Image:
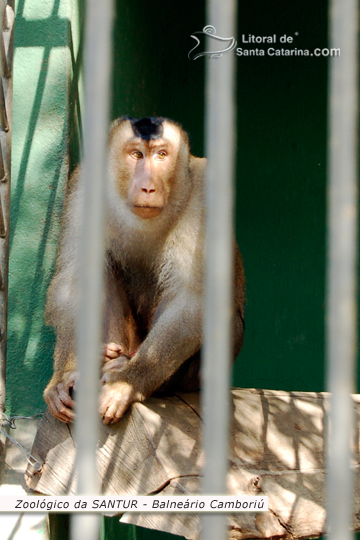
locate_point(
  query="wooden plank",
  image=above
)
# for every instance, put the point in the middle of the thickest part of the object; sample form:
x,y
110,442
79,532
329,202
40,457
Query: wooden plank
x,y
277,449
137,455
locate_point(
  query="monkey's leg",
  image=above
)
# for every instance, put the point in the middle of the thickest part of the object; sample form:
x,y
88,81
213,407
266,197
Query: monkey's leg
x,y
173,338
120,337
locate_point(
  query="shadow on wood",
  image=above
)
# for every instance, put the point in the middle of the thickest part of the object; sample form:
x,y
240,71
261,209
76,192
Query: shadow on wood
x,y
277,449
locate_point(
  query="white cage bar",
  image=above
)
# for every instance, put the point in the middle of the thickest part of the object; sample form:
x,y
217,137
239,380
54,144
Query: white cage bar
x,y
341,337
97,66
220,121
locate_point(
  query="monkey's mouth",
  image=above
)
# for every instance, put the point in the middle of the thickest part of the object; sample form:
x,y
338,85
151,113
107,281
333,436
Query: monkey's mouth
x,y
146,212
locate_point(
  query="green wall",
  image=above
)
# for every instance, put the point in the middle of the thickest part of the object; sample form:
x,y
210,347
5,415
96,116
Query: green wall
x,y
152,73
280,200
42,66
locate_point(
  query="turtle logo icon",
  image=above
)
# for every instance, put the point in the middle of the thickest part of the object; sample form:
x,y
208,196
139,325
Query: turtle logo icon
x,y
210,32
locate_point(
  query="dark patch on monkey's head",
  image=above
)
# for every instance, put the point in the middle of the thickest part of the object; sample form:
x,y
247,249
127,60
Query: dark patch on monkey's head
x,y
147,128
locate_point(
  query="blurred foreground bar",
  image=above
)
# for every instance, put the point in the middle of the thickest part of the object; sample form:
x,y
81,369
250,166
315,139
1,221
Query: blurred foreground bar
x,y
342,262
220,142
98,36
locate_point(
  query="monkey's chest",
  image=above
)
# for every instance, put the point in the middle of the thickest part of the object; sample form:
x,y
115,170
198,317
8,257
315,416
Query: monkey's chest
x,y
143,294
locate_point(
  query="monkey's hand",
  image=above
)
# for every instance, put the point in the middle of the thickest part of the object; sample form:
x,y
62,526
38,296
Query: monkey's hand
x,y
114,358
58,397
115,398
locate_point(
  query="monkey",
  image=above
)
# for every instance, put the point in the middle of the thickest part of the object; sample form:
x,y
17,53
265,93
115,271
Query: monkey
x,y
153,272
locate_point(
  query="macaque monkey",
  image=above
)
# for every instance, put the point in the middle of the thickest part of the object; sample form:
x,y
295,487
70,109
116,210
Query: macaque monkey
x,y
153,266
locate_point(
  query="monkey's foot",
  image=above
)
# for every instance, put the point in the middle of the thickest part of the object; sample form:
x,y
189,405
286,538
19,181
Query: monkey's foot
x,y
115,398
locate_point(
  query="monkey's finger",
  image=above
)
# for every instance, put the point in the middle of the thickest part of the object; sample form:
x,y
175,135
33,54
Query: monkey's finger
x,y
115,363
64,396
62,400
120,411
63,418
70,382
55,412
65,414
104,400
113,346
111,350
110,355
113,413
59,410
108,417
114,400
66,400
107,404
73,379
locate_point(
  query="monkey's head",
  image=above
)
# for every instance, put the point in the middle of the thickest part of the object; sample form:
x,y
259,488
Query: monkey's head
x,y
149,164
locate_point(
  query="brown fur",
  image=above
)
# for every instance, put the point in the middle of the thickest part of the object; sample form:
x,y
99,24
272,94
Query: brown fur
x,y
154,274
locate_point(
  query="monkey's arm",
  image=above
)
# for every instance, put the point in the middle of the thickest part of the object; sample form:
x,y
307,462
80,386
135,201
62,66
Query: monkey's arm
x,y
61,307
173,338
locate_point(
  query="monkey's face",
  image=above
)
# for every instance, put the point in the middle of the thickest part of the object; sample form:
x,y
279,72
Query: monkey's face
x,y
148,167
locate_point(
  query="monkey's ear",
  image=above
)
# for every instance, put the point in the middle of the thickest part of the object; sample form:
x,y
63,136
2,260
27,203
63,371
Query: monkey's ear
x,y
197,166
115,123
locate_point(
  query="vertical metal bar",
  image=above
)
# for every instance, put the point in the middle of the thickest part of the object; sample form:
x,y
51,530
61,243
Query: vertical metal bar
x,y
342,261
6,85
98,40
219,148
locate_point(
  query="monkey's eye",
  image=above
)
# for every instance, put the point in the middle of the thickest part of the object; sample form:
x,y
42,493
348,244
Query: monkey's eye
x,y
137,154
162,154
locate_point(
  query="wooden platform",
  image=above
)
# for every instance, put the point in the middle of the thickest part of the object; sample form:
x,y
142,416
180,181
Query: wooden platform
x,y
276,450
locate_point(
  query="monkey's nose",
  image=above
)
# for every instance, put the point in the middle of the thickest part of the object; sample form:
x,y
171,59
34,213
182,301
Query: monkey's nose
x,y
145,190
